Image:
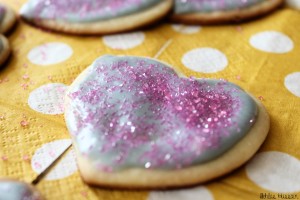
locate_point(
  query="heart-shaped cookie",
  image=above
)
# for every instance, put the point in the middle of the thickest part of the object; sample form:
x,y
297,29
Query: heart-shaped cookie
x,y
220,11
17,190
136,124
94,16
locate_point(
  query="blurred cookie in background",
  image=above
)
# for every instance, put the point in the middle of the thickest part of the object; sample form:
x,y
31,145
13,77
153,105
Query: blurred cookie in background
x,y
216,11
90,17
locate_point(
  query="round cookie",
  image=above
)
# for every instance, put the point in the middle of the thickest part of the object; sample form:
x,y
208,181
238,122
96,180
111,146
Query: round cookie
x,y
217,11
7,18
4,49
94,16
293,4
136,123
17,190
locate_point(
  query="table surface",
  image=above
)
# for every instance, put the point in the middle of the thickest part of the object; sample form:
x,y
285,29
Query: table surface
x,y
261,56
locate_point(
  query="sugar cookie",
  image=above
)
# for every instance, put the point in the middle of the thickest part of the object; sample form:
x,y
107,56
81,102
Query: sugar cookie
x,y
4,49
7,18
217,11
293,4
136,123
94,16
17,190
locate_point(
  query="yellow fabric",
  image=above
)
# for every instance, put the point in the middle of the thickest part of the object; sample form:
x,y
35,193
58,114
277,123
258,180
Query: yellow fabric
x,y
258,72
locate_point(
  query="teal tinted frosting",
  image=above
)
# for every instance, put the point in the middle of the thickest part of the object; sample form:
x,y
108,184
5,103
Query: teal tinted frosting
x,y
13,190
191,6
75,11
131,112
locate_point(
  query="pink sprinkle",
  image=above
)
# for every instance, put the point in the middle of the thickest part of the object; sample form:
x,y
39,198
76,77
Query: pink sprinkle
x,y
46,89
26,158
238,77
107,169
25,76
24,86
84,193
61,90
239,29
50,78
25,65
37,165
2,117
23,36
178,107
44,56
4,158
261,98
24,123
52,154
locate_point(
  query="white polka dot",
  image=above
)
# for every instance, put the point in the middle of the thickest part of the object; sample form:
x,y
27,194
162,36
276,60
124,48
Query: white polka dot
x,y
197,193
48,99
50,53
185,29
293,3
49,152
275,171
124,41
292,83
272,42
206,60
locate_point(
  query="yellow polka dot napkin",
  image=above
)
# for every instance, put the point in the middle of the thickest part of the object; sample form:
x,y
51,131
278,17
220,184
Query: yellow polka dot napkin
x,y
261,56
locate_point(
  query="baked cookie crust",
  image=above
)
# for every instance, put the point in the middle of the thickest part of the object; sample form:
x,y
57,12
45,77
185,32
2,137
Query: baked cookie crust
x,y
219,17
115,25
